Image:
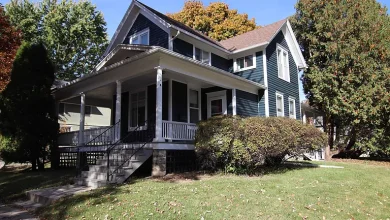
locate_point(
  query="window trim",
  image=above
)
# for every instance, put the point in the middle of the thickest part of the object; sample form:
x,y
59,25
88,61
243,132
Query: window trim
x,y
286,76
295,108
130,107
189,104
215,96
235,64
194,56
138,34
276,104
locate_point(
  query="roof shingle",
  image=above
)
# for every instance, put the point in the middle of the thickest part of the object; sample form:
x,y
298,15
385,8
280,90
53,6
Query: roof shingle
x,y
257,36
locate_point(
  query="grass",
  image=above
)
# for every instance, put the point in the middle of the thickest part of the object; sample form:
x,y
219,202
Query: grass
x,y
359,191
16,180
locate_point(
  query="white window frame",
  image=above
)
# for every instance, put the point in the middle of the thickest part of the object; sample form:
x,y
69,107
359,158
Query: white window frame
x,y
215,96
294,116
130,108
138,34
194,56
278,94
189,103
235,65
281,73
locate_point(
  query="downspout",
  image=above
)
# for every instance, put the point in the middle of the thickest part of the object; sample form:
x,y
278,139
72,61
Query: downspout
x,y
172,39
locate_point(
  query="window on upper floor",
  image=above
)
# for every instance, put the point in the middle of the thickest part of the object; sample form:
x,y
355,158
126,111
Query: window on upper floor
x,y
202,55
245,63
279,105
291,106
141,37
283,64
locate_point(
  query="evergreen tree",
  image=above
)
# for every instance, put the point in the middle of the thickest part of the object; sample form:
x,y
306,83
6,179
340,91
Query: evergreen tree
x,y
27,117
347,47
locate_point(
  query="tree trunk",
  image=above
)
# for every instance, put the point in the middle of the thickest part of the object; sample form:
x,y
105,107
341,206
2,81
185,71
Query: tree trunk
x,y
330,138
33,163
41,163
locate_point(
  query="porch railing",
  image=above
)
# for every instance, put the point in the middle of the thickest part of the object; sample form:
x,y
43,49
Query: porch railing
x,y
178,130
72,138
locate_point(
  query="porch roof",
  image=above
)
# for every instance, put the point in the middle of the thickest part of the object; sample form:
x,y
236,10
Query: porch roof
x,y
122,50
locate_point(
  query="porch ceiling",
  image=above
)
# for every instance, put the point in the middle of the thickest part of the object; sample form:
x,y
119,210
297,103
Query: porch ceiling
x,y
101,83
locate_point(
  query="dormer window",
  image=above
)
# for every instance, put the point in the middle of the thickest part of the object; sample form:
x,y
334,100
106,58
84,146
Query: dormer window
x,y
245,63
283,64
202,56
141,38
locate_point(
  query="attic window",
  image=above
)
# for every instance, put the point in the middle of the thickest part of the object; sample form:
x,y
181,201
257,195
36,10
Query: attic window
x,y
283,64
141,38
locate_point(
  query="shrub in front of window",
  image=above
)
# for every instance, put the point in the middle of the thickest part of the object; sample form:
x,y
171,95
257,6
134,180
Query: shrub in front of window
x,y
244,144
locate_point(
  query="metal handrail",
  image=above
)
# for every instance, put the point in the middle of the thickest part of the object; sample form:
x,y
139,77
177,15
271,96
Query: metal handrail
x,y
82,163
104,132
135,151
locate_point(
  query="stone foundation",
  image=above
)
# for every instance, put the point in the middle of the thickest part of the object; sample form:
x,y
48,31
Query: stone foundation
x,y
159,163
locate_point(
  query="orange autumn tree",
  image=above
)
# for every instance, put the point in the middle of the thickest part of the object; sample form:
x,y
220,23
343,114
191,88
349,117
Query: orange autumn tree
x,y
10,40
216,20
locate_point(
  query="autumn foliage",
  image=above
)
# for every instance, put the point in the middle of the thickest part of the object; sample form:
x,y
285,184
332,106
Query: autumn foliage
x,y
10,40
215,20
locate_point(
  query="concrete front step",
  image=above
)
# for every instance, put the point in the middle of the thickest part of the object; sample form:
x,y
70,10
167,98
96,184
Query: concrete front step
x,y
49,195
92,183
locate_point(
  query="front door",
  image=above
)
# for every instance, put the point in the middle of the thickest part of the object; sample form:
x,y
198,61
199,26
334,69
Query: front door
x,y
216,104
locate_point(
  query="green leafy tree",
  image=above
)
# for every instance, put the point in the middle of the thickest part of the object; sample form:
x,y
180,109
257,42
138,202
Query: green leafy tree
x,y
216,20
28,123
347,47
74,33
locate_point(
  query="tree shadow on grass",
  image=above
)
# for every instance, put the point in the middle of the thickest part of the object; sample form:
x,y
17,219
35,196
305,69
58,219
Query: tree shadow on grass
x,y
15,181
94,199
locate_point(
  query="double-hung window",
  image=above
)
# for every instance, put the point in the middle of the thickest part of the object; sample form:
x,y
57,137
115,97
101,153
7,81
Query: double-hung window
x,y
279,105
140,38
138,109
291,106
202,56
283,64
244,63
194,106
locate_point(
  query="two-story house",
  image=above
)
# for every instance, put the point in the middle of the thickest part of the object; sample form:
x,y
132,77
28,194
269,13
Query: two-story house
x,y
160,77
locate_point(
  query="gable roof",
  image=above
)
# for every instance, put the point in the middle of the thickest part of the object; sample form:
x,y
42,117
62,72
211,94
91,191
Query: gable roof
x,y
258,36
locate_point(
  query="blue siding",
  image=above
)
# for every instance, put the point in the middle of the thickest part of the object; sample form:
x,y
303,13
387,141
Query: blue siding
x,y
183,47
220,62
261,103
157,36
247,104
288,89
257,74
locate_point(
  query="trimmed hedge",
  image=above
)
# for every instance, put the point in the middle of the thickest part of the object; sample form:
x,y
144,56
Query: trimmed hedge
x,y
243,144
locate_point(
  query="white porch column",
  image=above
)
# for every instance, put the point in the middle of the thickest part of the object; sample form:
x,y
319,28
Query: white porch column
x,y
170,107
159,85
118,108
234,101
82,119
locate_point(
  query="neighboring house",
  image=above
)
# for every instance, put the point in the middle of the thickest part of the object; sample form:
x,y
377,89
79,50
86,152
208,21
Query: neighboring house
x,y
95,117
160,77
313,117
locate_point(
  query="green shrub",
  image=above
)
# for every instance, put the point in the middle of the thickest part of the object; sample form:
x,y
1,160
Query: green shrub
x,y
243,144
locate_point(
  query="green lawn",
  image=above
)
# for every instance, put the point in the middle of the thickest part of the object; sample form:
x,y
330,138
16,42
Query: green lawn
x,y
15,181
359,191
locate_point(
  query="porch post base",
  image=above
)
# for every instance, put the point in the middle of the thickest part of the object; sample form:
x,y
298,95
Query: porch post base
x,y
159,167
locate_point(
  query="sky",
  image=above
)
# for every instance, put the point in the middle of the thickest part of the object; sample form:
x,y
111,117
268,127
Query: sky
x,y
264,11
